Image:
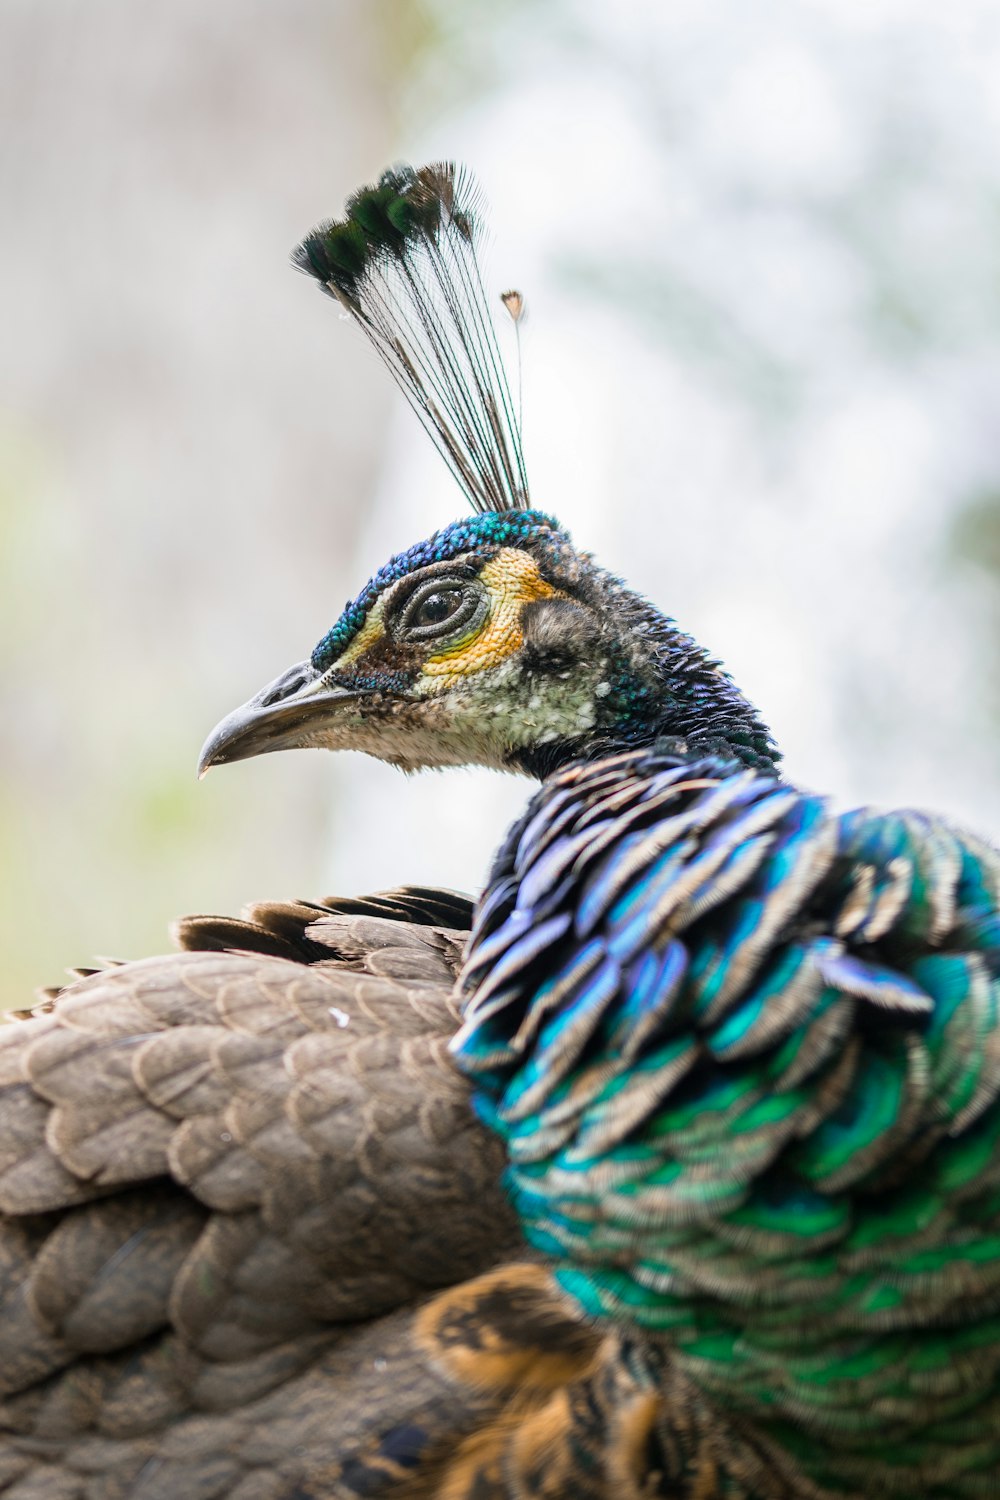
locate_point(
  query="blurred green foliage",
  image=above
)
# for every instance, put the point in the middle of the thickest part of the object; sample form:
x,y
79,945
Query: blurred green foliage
x,y
976,533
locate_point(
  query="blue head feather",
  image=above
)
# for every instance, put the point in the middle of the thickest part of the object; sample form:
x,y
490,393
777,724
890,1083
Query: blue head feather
x,y
480,534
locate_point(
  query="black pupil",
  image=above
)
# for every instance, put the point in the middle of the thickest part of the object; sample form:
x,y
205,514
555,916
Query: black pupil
x,y
435,608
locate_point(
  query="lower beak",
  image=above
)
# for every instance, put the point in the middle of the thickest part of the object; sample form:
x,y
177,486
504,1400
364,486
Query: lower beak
x,y
291,711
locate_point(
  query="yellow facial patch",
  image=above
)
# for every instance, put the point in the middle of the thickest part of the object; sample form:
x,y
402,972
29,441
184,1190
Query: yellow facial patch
x,y
371,631
513,580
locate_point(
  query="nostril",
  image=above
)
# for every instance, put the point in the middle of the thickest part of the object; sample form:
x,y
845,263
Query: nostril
x,y
285,687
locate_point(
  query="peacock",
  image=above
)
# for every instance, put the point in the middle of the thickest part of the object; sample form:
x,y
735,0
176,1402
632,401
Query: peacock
x,y
669,1167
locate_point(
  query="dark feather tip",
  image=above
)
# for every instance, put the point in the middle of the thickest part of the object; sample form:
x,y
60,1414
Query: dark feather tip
x,y
404,207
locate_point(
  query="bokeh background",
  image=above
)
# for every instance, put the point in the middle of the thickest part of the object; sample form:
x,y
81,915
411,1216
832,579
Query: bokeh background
x,y
761,250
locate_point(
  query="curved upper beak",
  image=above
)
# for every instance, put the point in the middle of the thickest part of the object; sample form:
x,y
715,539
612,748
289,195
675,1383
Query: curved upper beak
x,y
291,711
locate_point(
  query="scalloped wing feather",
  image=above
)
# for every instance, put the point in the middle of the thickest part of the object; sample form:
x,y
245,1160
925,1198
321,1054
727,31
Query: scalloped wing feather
x,y
253,1245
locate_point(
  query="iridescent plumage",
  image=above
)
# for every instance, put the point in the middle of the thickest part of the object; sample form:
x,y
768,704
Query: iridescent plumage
x,y
745,1057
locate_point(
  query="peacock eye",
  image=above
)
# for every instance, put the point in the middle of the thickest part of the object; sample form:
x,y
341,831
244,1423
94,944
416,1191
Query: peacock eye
x,y
440,607
436,608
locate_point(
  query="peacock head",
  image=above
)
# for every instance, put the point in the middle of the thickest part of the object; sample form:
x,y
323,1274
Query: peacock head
x,y
494,642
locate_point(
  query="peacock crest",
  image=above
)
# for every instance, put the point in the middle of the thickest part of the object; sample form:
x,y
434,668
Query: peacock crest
x,y
404,263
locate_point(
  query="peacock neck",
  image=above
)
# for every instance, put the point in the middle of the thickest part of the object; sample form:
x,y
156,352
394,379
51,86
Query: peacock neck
x,y
659,689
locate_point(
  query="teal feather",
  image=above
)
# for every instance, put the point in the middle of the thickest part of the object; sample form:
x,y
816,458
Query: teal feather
x,y
763,1121
648,1009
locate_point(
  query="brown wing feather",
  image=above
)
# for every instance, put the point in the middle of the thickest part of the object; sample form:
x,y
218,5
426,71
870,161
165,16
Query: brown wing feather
x,y
253,1244
212,1163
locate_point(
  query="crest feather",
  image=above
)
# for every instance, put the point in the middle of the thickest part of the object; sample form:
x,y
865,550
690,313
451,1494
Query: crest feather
x,y
403,262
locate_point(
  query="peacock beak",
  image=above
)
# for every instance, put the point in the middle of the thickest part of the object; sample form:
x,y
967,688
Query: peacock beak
x,y
294,710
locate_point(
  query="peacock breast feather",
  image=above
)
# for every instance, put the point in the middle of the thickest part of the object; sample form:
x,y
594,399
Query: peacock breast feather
x,y
745,1057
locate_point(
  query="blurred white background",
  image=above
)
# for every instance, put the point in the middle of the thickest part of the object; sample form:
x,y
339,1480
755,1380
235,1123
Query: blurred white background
x,y
761,250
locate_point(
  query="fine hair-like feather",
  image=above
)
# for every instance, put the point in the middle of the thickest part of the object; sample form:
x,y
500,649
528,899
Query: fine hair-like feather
x,y
403,262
